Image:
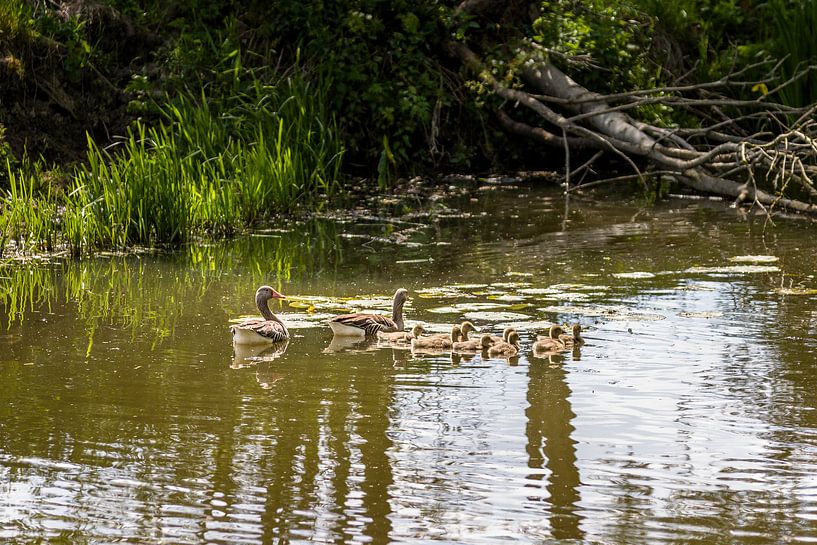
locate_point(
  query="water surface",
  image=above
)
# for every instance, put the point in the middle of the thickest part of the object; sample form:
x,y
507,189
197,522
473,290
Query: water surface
x,y
688,416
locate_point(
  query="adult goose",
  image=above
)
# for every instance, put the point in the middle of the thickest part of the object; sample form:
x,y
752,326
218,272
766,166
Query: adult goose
x,y
551,343
506,348
368,325
266,330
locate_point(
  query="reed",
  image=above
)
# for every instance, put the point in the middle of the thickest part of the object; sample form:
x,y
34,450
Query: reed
x,y
792,30
213,166
28,212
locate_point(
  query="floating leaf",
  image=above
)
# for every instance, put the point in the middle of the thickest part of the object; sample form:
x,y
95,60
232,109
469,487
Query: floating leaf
x,y
514,273
635,274
754,259
465,307
442,292
796,291
538,291
468,286
701,314
608,312
507,298
488,316
509,285
734,269
578,287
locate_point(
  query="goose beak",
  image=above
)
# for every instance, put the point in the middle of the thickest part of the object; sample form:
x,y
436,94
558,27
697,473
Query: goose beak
x,y
276,295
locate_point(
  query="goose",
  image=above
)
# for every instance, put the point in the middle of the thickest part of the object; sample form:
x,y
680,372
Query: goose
x,y
437,342
473,345
575,339
552,342
366,325
506,348
401,337
266,330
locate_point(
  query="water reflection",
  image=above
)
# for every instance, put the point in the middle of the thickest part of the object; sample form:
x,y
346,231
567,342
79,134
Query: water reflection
x,y
550,446
689,415
245,355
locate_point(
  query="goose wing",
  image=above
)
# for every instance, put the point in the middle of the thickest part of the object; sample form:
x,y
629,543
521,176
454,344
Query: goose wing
x,y
371,324
270,329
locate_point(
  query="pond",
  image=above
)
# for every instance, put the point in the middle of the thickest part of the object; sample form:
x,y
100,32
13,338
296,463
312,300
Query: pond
x,y
688,415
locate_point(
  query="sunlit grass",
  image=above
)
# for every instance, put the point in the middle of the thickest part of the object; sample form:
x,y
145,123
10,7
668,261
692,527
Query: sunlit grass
x,y
28,212
212,167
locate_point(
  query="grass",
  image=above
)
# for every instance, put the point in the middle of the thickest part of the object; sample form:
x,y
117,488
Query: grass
x,y
28,212
793,35
210,168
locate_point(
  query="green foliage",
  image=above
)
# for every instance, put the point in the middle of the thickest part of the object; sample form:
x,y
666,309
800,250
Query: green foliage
x,y
613,34
380,59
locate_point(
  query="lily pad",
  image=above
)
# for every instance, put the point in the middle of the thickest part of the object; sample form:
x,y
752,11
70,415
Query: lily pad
x,y
509,285
579,287
465,307
796,291
734,269
635,275
701,314
507,298
442,292
607,312
538,291
495,316
468,286
754,259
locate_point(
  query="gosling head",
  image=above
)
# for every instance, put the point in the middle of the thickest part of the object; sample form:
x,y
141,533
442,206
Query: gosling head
x,y
455,333
485,341
577,331
555,331
506,332
417,330
513,339
465,329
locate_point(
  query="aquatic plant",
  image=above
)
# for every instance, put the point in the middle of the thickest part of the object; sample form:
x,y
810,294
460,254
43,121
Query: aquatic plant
x,y
212,167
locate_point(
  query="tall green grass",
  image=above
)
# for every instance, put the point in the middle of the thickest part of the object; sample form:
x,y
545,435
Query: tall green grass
x,y
793,36
211,167
28,211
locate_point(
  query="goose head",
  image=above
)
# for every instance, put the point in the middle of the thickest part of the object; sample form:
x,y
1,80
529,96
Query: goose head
x,y
265,293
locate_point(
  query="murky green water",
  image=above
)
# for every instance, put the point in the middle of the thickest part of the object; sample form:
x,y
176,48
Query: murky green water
x,y
689,415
